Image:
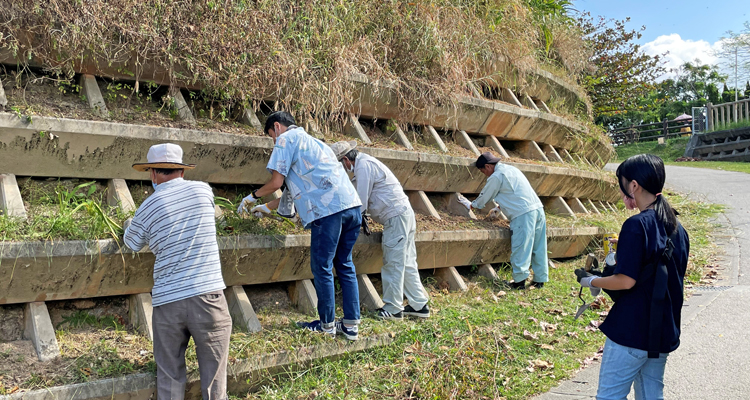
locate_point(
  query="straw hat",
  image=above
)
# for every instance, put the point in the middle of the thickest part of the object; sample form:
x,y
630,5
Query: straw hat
x,y
164,156
343,147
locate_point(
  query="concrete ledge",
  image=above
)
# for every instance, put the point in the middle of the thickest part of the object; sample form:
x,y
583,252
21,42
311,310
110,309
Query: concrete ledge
x,y
90,89
243,376
11,203
61,270
38,328
104,150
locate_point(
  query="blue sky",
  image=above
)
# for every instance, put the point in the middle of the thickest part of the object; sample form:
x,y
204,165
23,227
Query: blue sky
x,y
688,29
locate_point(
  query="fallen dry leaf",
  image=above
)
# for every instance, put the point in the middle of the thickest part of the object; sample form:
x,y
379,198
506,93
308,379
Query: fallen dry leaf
x,y
533,319
524,304
572,334
549,328
529,336
546,346
501,293
541,364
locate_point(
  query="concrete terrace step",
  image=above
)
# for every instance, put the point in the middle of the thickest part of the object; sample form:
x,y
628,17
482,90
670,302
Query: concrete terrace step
x,y
104,150
44,271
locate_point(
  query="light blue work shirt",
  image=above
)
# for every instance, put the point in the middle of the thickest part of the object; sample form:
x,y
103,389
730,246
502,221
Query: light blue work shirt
x,y
316,181
510,189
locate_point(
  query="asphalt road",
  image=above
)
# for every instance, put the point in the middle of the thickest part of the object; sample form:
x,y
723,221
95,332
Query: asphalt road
x,y
713,361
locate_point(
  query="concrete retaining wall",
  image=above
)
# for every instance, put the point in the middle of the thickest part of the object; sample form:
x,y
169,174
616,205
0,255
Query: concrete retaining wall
x,y
43,271
103,150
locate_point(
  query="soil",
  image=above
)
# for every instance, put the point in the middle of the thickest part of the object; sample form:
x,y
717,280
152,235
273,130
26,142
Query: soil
x,y
11,322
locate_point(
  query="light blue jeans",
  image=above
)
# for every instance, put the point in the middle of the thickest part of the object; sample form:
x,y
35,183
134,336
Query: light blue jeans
x,y
528,246
400,273
625,366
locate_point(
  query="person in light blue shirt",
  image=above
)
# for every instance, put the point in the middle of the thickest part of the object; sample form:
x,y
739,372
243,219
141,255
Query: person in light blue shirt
x,y
328,205
509,188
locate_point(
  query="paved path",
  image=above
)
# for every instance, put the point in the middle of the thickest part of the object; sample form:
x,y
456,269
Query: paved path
x,y
713,361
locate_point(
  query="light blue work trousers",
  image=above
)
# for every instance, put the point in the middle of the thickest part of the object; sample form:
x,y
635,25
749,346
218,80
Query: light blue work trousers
x,y
625,366
400,273
528,246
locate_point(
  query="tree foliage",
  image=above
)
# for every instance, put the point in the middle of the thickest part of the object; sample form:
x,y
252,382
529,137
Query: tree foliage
x,y
622,73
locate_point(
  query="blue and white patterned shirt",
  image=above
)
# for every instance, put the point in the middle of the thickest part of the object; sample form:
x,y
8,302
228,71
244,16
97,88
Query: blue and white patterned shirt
x,y
316,181
177,222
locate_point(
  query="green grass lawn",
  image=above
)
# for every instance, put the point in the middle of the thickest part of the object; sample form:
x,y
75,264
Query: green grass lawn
x,y
674,149
485,343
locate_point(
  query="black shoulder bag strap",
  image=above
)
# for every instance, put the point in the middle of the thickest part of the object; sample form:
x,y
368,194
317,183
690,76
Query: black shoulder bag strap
x,y
657,300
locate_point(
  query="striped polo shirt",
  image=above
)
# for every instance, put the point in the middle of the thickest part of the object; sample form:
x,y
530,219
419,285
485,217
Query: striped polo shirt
x,y
177,223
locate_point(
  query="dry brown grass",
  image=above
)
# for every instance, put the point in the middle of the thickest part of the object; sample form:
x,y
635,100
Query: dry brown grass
x,y
298,53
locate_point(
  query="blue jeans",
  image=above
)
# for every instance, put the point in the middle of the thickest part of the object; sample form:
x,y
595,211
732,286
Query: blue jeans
x,y
528,246
624,366
331,246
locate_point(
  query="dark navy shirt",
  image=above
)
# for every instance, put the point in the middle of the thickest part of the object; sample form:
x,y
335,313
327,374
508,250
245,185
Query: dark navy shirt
x,y
641,242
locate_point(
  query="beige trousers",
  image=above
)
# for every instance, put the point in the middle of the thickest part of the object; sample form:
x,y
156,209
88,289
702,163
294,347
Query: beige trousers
x,y
206,319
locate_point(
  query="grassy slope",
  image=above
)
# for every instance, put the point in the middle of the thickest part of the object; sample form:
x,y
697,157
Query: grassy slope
x,y
673,149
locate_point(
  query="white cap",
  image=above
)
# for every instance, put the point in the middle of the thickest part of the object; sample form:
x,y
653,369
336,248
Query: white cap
x,y
341,148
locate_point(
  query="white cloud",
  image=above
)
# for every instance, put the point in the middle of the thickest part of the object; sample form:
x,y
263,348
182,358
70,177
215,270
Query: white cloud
x,y
681,51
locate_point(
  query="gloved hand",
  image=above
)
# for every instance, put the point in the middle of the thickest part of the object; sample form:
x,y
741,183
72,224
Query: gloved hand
x,y
260,211
464,201
126,224
584,277
246,202
495,213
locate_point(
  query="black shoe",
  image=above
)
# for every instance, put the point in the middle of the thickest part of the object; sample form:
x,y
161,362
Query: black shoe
x,y
423,313
383,314
536,285
515,285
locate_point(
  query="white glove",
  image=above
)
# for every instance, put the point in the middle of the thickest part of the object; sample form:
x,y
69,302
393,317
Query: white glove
x,y
464,201
247,201
595,291
260,211
126,224
586,282
495,213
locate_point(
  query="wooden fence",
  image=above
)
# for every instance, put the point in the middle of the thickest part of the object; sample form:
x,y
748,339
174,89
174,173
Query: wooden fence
x,y
726,113
651,131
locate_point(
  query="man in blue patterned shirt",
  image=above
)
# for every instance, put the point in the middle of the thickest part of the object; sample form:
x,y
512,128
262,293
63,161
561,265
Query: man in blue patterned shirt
x,y
328,205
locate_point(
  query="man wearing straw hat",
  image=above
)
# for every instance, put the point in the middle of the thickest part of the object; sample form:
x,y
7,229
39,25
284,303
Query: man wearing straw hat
x,y
177,223
384,198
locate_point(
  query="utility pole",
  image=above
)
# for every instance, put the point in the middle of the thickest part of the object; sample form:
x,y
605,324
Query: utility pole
x,y
736,79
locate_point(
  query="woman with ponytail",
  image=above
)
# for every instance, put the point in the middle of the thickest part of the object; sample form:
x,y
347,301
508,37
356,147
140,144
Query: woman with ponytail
x,y
643,325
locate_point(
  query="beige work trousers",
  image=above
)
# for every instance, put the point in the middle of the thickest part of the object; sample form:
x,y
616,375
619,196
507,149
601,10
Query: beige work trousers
x,y
206,319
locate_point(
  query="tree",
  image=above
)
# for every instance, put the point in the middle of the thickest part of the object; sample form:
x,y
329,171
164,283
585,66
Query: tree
x,y
622,73
747,90
726,94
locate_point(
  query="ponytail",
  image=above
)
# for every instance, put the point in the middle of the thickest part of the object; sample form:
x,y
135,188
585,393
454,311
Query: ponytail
x,y
648,171
665,213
